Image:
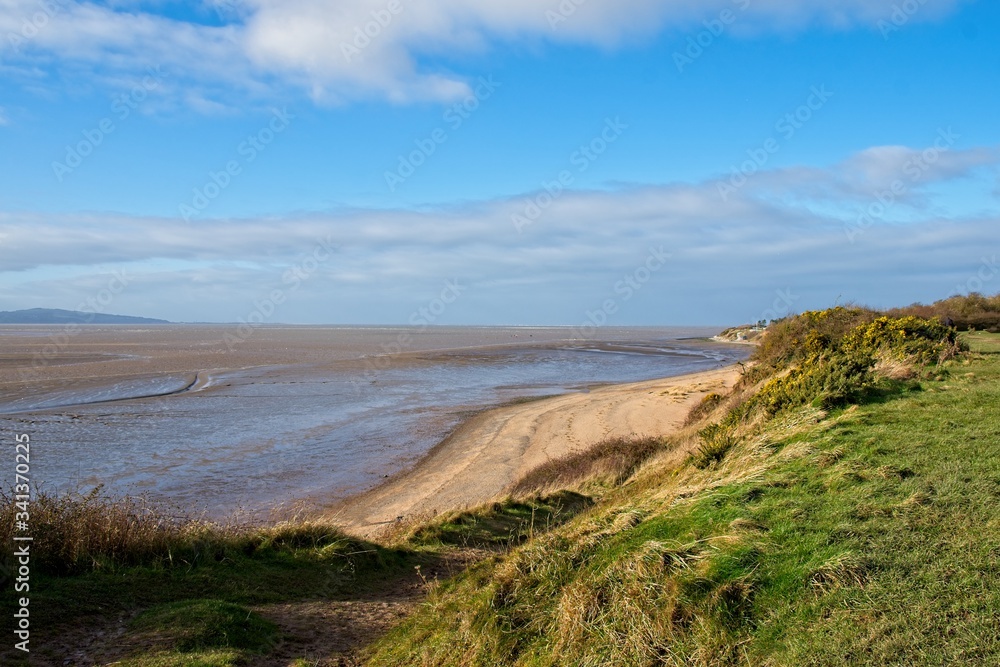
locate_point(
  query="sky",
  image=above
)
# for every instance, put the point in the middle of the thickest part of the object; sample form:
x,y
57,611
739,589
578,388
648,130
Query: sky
x,y
526,162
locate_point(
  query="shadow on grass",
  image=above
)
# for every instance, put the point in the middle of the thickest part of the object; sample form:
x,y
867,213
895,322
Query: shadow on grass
x,y
185,589
614,459
188,594
502,524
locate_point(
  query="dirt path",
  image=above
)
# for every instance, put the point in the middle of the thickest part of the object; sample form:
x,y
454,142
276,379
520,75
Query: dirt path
x,y
331,633
490,452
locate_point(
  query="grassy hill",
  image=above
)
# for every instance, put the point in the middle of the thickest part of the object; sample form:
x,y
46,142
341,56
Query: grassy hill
x,y
839,507
859,527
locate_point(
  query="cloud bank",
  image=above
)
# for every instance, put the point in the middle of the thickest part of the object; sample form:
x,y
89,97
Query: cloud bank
x,y
340,50
788,229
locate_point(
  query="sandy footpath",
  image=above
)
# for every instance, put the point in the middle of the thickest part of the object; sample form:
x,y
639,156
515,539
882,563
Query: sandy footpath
x,y
493,450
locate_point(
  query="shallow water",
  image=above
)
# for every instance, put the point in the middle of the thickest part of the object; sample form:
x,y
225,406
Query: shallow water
x,y
330,415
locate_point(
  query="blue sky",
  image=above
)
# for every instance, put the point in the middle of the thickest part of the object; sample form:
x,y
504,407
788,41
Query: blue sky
x,y
631,162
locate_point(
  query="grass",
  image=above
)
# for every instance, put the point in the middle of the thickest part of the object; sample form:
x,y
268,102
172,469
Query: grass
x,y
855,535
174,659
501,524
183,589
785,531
199,625
607,463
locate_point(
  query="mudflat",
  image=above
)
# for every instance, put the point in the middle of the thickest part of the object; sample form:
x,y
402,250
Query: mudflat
x,y
214,419
490,452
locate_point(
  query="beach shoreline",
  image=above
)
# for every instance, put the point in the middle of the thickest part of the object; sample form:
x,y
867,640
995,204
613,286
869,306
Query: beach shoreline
x,y
491,451
293,419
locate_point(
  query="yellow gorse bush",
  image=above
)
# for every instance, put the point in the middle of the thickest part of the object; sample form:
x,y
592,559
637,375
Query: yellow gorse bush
x,y
830,357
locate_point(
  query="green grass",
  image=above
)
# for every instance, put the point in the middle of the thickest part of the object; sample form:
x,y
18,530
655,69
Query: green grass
x,y
983,343
173,659
859,536
198,625
188,603
501,524
192,604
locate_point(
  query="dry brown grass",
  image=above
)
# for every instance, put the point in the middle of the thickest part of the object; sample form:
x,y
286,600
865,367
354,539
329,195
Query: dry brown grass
x,y
896,369
845,569
612,461
75,533
709,404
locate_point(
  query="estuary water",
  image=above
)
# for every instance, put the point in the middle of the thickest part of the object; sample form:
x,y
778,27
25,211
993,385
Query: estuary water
x,y
211,422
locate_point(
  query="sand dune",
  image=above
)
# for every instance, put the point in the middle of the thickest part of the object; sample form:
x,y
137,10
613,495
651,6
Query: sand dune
x,y
493,450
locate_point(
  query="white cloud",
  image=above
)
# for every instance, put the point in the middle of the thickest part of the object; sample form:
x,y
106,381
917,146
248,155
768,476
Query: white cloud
x,y
272,44
878,169
725,255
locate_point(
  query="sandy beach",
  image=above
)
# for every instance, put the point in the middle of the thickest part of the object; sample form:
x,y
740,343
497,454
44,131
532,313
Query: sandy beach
x,y
490,452
298,416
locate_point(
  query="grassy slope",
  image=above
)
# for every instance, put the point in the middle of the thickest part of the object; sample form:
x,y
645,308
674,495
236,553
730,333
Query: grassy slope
x,y
195,608
198,609
860,536
869,535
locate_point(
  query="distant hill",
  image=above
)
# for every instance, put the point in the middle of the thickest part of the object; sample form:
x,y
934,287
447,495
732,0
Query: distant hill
x,y
57,316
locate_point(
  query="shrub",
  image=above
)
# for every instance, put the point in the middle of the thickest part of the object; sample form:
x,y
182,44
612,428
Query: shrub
x,y
798,339
908,336
973,311
707,405
717,440
831,357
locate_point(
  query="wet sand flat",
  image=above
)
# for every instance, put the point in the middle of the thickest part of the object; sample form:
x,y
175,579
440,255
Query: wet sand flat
x,y
492,451
289,416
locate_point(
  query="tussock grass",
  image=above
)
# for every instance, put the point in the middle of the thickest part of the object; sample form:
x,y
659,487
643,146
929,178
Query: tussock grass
x,y
501,524
717,440
78,533
821,534
609,462
198,625
707,406
839,507
192,583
